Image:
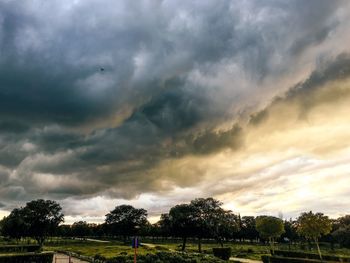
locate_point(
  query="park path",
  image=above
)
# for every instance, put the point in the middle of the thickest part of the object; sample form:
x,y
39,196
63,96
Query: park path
x,y
62,258
97,240
245,260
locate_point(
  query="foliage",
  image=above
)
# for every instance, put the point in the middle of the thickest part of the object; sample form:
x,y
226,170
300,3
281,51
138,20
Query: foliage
x,y
342,235
304,255
312,226
182,223
38,219
42,218
81,229
270,227
13,225
125,219
18,248
247,228
166,257
222,252
27,257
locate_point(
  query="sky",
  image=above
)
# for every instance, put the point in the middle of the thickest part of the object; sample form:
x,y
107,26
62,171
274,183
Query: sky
x,y
155,103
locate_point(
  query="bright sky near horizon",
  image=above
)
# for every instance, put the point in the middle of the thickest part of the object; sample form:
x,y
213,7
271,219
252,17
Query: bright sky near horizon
x,y
155,103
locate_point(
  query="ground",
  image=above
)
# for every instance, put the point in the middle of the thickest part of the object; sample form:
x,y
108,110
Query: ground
x,y
114,248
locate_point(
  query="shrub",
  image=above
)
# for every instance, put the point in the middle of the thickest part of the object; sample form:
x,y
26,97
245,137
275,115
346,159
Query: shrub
x,y
99,257
19,248
296,254
27,257
166,257
265,259
222,252
279,259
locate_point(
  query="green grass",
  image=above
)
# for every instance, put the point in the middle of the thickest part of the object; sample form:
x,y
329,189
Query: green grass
x,y
89,248
116,248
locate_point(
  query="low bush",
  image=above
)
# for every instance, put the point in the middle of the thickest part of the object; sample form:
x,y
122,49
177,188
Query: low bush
x,y
19,248
166,257
296,254
99,257
27,257
279,259
222,252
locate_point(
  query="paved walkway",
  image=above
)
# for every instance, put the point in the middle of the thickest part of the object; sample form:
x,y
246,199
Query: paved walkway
x,y
245,260
62,258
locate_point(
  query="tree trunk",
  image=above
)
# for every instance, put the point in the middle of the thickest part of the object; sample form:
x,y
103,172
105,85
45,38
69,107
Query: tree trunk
x,y
318,249
271,240
183,243
199,245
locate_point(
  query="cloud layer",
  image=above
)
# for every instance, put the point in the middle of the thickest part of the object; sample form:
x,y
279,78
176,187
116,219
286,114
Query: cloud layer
x,y
103,102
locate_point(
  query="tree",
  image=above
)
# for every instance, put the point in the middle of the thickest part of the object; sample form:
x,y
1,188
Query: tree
x,y
164,225
342,236
182,224
42,218
13,226
313,226
124,220
81,229
248,230
207,216
225,226
269,227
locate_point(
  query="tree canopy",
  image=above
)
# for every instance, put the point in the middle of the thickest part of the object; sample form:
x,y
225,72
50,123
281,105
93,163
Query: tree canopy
x,y
125,220
313,226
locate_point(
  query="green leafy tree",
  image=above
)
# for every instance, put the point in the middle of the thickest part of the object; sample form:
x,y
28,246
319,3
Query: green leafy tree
x,y
42,218
342,236
125,220
182,223
270,227
248,230
225,226
81,229
13,226
313,226
207,216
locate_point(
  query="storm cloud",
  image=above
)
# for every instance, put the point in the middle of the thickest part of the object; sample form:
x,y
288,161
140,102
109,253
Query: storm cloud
x,y
109,99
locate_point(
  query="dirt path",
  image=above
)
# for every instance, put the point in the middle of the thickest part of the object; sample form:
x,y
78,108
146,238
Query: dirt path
x,y
62,258
97,240
245,260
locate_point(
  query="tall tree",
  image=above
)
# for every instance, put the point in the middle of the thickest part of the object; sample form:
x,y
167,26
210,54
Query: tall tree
x,y
270,227
42,218
207,216
181,219
248,230
81,229
313,226
14,226
125,220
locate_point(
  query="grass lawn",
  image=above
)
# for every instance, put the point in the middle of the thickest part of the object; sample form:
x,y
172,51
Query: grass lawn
x,y
115,248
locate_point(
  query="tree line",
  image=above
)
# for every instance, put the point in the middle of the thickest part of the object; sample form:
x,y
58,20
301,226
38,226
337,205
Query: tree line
x,y
202,218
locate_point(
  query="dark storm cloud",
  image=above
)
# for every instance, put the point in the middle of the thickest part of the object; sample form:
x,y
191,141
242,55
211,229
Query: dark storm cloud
x,y
69,69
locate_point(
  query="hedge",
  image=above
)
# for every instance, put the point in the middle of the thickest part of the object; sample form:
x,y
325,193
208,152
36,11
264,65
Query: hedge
x,y
166,257
279,259
222,252
19,248
27,257
296,254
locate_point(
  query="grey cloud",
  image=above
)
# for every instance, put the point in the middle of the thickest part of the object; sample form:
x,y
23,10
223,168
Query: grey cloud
x,y
52,85
303,93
